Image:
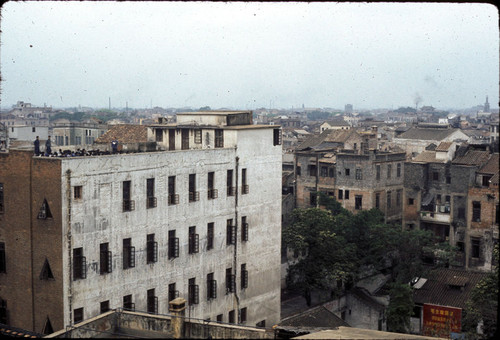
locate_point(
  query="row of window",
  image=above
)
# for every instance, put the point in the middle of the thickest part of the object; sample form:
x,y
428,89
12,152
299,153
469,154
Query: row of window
x,y
105,255
193,295
172,196
330,171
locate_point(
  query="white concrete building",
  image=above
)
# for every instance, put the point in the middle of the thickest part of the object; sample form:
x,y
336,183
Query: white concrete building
x,y
140,229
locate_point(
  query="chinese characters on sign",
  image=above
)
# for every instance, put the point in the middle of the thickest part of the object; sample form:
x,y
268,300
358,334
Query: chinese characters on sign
x,y
441,321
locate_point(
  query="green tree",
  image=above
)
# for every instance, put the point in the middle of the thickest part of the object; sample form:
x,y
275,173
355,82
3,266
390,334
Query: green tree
x,y
326,256
400,308
483,306
205,108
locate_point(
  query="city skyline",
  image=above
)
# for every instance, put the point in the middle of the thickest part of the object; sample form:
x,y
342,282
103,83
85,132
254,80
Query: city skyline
x,y
249,55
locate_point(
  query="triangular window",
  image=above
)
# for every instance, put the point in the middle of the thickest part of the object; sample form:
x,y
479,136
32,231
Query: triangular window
x,y
47,329
44,212
46,273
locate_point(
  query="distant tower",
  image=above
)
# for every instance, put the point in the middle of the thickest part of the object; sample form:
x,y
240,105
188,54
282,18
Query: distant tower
x,y
348,108
486,105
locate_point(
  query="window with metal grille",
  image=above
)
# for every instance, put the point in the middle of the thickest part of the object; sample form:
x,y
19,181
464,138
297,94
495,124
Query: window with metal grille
x,y
231,232
476,211
211,287
194,241
127,303
3,264
79,264
244,276
105,259
359,174
77,192
244,229
78,315
197,136
193,194
173,198
210,235
358,202
128,254
150,193
276,136
193,292
173,245
152,301
128,204
244,184
104,306
231,190
151,249
230,281
219,138
172,292
212,193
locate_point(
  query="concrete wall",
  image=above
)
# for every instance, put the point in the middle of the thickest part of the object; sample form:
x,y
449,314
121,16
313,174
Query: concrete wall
x,y
99,218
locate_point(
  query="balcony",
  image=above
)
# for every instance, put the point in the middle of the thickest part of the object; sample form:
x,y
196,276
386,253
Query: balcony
x,y
437,213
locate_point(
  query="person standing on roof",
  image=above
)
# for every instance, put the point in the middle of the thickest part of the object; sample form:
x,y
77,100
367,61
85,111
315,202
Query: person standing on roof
x,y
114,145
48,147
36,143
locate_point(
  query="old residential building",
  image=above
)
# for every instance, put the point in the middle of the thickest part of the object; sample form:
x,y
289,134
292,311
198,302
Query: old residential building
x,y
200,220
457,199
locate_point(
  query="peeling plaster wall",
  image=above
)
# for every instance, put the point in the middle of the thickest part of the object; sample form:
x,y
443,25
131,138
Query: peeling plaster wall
x,y
98,218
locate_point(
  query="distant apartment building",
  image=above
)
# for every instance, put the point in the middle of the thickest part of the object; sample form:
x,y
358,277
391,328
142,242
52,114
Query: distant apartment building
x,y
199,218
81,135
348,166
454,194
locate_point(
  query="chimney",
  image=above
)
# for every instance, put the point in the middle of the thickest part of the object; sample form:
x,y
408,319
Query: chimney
x,y
176,308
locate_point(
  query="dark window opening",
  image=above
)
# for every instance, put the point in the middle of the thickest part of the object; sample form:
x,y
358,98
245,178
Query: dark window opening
x,y
358,202
476,211
171,139
128,204
411,201
4,313
347,172
244,276
346,194
475,245
231,190
244,229
212,193
243,315
173,198
173,245
46,273
185,139
276,136
77,192
377,200
127,303
44,212
230,232
1,199
172,292
193,292
435,176
78,315
105,259
152,302
244,184
219,138
79,264
211,287
210,236
3,263
151,249
193,194
220,317
230,281
378,172
128,254
231,316
150,193
389,201
398,170
159,135
389,170
313,198
194,241
341,194
104,306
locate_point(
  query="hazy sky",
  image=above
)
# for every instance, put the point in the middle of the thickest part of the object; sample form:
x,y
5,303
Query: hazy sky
x,y
246,55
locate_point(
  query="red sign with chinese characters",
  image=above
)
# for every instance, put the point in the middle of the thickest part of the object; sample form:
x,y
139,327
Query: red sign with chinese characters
x,y
441,321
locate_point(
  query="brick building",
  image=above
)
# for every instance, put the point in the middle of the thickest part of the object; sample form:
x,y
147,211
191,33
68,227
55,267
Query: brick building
x,y
456,199
82,235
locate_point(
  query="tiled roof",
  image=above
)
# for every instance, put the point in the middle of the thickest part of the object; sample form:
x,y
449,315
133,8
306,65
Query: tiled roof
x,y
437,289
472,157
328,138
314,317
444,146
14,332
491,166
427,157
125,133
337,122
364,296
427,133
